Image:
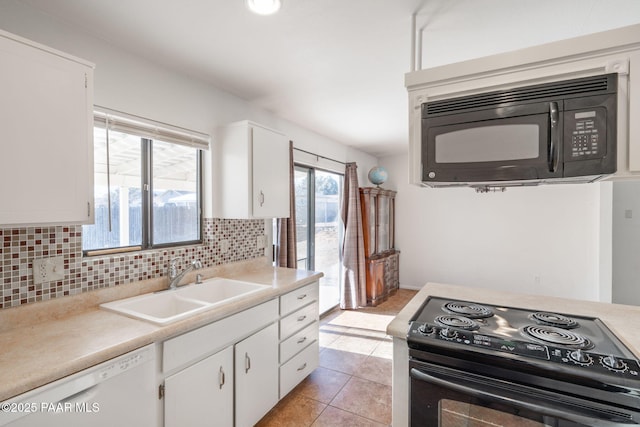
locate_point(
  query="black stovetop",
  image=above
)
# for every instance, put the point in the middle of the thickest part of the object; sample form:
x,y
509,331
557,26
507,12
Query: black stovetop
x,y
574,332
582,344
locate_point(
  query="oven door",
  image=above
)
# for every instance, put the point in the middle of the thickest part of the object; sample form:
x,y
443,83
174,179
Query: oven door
x,y
515,143
446,397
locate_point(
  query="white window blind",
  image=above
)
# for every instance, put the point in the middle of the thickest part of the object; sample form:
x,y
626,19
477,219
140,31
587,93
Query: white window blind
x,y
146,128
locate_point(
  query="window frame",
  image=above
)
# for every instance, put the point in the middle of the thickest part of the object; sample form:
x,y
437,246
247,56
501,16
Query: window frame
x,y
146,178
147,171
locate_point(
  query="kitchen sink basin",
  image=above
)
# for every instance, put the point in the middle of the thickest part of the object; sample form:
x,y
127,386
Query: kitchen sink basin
x,y
161,308
218,290
169,306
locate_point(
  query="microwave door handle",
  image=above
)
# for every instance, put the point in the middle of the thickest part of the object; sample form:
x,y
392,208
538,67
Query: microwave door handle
x,y
553,140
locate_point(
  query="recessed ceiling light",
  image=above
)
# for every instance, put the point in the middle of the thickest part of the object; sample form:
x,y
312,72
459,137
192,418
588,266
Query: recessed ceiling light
x,y
263,7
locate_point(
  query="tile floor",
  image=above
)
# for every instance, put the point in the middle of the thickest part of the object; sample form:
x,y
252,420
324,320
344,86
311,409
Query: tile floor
x,y
352,385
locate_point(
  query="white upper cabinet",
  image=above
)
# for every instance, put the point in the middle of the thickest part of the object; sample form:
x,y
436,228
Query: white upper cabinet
x,y
251,164
613,51
46,135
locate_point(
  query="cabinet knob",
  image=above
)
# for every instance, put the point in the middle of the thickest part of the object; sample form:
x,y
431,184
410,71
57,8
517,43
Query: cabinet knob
x,y
301,318
301,297
302,367
301,340
261,198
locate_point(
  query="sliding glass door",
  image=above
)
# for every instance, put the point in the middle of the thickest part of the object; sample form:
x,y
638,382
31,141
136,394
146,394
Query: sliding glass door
x,y
319,228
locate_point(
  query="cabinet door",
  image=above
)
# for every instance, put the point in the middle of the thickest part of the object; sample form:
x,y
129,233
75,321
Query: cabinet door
x,y
375,281
372,221
256,368
383,224
270,159
202,394
46,136
392,222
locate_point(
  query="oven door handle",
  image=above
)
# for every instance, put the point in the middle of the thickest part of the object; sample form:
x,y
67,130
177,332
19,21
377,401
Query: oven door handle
x,y
491,392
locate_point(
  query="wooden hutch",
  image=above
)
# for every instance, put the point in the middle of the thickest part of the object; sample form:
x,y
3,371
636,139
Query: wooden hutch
x,y
378,218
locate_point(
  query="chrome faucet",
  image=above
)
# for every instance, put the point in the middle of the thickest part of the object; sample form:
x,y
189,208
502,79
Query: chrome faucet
x,y
174,277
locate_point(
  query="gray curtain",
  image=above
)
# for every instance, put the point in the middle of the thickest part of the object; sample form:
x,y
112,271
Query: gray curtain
x,y
286,227
354,291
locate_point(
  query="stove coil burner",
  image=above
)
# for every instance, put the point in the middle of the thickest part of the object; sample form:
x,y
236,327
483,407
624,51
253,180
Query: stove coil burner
x,y
457,322
471,311
553,319
557,336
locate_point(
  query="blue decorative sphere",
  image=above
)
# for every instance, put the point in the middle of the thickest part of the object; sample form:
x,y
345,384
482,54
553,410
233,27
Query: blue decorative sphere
x,y
378,175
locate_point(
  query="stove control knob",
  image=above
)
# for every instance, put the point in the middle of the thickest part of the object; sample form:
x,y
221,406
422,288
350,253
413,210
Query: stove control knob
x,y
580,357
614,364
425,329
448,333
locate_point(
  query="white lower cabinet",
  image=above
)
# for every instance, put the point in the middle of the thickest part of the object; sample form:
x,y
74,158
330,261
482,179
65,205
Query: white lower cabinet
x,y
202,394
295,370
224,373
256,375
298,341
299,333
233,371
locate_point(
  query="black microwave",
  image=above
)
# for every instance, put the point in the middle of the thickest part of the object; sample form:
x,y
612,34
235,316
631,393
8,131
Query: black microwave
x,y
564,131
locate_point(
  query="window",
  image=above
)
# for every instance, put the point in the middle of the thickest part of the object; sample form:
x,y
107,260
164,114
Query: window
x,y
147,185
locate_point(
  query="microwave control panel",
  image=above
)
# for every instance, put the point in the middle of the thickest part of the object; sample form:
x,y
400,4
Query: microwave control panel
x,y
585,133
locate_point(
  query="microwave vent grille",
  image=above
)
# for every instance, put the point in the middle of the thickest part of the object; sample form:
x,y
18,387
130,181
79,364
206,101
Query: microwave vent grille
x,y
582,87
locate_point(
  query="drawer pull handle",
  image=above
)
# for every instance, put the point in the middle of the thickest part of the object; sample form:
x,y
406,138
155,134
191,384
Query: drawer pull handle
x,y
303,296
302,367
247,363
221,377
301,340
301,318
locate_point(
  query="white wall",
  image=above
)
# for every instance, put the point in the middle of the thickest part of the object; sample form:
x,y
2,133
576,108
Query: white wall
x,y
626,242
540,240
137,86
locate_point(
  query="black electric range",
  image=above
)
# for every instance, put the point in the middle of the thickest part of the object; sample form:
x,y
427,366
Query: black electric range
x,y
548,340
555,362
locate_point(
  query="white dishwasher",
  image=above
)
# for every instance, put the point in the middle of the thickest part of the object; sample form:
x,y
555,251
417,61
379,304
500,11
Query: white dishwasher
x,y
119,392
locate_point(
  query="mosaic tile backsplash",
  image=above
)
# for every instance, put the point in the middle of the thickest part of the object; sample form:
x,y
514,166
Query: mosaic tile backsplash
x,y
19,246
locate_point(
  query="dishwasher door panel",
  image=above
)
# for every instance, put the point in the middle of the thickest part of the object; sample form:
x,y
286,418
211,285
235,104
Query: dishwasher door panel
x,y
120,392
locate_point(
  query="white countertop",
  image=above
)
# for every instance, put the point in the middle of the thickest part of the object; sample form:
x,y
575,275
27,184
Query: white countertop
x,y
43,342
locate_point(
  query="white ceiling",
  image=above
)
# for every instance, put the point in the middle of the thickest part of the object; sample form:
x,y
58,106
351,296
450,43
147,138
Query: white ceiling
x,y
333,66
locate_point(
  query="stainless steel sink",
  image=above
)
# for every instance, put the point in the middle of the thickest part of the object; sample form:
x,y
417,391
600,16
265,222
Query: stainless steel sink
x,y
170,306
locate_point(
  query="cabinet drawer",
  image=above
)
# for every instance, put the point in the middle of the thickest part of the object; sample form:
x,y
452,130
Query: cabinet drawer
x,y
298,320
298,341
295,370
296,299
192,345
